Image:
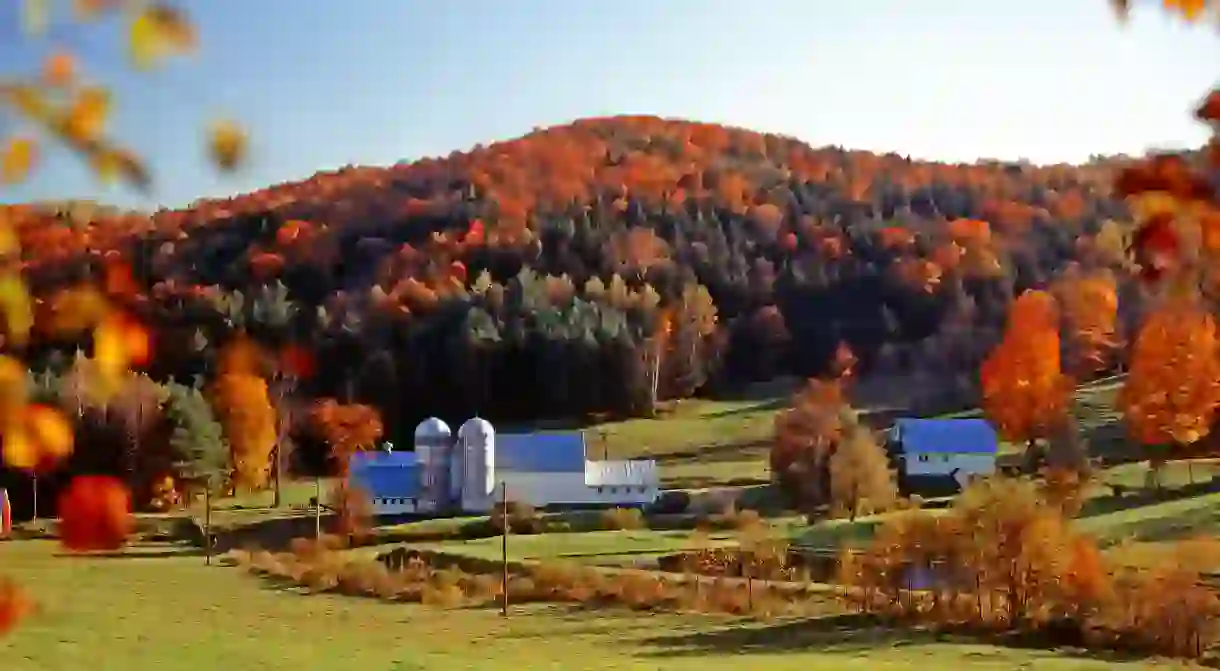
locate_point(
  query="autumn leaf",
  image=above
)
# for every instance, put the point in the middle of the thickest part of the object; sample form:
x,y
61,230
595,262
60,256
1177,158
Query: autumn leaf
x,y
59,69
1209,110
1191,10
95,514
17,159
74,310
88,10
29,102
14,605
10,244
112,163
51,431
156,32
227,145
16,308
86,118
20,453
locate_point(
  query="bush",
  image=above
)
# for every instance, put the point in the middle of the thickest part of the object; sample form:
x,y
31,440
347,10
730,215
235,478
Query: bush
x,y
522,519
673,502
622,519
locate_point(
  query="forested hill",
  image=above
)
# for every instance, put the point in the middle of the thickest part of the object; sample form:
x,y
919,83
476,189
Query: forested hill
x,y
597,266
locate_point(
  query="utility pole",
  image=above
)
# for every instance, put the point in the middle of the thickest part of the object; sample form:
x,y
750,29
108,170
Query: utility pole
x,y
504,547
317,508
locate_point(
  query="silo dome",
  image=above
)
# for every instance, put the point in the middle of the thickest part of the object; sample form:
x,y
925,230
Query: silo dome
x,y
476,440
433,432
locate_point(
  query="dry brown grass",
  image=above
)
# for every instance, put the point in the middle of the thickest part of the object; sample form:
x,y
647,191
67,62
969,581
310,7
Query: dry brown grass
x,y
319,568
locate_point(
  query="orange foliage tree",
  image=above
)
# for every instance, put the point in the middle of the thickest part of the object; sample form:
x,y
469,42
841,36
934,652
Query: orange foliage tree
x,y
1171,394
1025,392
243,405
346,428
1089,303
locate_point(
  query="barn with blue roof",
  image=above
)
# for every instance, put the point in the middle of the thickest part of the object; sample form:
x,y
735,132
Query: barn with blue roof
x,y
392,480
474,469
938,457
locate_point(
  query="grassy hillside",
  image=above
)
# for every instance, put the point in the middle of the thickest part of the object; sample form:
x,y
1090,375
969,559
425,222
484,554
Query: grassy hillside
x,y
587,270
170,613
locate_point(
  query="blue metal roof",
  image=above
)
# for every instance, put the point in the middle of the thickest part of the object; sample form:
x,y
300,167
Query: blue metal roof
x,y
379,458
388,481
387,475
540,452
946,436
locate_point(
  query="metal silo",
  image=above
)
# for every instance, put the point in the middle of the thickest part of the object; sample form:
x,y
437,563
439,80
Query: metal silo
x,y
433,445
477,442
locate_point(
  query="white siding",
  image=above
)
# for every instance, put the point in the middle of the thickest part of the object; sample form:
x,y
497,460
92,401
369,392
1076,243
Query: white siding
x,y
541,489
635,472
944,464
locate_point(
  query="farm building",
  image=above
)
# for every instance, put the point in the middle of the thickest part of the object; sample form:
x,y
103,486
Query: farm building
x,y
391,479
466,472
936,457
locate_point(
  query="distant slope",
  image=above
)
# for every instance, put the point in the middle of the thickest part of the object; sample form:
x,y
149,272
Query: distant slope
x,y
540,276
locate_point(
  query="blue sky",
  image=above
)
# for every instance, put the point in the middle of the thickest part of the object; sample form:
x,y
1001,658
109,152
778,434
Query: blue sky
x,y
323,83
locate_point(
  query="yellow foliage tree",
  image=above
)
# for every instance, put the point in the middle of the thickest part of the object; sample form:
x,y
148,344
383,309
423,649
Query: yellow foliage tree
x,y
249,421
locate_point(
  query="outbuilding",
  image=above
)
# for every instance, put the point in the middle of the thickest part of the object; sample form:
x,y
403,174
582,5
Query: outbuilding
x,y
938,457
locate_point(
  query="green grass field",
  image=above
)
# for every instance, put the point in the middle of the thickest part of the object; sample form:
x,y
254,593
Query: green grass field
x,y
168,612
700,443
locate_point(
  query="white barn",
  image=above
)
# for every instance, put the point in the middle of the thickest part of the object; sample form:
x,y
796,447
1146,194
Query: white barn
x,y
470,472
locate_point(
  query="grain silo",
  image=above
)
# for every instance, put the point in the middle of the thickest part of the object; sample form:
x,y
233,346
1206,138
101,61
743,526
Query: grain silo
x,y
433,446
477,443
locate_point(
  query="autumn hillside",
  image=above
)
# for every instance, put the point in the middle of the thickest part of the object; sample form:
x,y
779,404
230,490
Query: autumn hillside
x,y
597,267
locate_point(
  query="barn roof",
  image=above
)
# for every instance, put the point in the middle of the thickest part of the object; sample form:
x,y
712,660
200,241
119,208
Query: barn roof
x,y
946,436
540,452
387,459
634,473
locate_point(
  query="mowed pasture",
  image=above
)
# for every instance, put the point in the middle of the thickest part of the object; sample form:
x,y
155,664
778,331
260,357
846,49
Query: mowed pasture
x,y
704,443
158,608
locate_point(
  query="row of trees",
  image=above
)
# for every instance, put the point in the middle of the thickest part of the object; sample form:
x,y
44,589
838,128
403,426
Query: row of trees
x,y
658,257
167,442
1006,557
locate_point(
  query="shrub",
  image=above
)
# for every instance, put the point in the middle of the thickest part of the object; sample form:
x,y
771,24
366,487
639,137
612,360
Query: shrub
x,y
673,502
557,527
551,579
746,519
484,587
1032,572
522,519
622,519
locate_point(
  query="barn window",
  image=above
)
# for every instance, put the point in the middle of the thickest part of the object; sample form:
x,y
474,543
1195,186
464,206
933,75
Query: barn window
x,y
923,458
600,490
